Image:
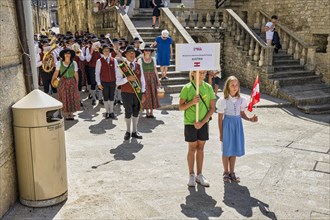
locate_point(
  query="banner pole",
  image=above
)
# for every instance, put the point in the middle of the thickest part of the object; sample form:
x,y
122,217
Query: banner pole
x,y
197,93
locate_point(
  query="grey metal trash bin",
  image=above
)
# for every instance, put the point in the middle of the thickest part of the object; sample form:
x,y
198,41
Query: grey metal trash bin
x,y
40,150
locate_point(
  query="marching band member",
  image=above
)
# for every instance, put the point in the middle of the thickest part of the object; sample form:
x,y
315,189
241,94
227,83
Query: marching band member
x,y
131,79
105,71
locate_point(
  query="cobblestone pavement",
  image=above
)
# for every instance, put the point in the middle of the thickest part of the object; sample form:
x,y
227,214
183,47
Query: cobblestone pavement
x,y
285,173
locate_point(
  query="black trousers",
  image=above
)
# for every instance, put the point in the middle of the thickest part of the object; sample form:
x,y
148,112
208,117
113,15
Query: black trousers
x,y
46,80
91,74
276,40
108,91
131,104
87,75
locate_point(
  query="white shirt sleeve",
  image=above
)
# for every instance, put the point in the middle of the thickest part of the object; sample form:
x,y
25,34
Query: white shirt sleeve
x,y
244,104
75,66
88,55
221,105
81,57
139,61
143,82
98,72
55,56
39,62
120,79
58,65
155,62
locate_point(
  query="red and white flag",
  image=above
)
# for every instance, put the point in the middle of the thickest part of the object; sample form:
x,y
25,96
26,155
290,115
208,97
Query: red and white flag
x,y
255,95
197,64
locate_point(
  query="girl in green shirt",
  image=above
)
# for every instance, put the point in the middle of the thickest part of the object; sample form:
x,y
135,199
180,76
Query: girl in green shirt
x,y
196,133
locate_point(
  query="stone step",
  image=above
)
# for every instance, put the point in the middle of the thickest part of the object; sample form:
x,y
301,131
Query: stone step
x,y
315,109
170,68
285,81
175,74
173,88
288,67
308,87
286,62
149,34
141,17
316,97
282,56
175,81
148,37
148,30
290,74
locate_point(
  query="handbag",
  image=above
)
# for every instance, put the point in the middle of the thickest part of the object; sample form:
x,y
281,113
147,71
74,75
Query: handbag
x,y
55,83
202,100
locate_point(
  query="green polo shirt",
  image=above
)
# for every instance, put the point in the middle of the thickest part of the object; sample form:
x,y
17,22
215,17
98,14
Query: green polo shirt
x,y
188,93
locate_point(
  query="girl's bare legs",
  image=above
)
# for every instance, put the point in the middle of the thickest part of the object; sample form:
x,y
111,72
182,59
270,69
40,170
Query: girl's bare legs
x,y
200,156
191,156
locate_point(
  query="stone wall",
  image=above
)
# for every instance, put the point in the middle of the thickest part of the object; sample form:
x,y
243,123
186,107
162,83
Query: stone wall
x,y
75,15
12,89
305,18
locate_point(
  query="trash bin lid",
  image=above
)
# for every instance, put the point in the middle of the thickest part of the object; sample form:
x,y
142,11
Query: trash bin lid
x,y
37,99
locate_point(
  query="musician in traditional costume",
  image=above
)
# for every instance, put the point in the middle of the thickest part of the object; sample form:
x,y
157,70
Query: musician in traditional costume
x,y
105,71
131,79
92,55
116,53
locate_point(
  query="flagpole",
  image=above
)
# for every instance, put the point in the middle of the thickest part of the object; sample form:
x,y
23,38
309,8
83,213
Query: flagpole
x,y
197,93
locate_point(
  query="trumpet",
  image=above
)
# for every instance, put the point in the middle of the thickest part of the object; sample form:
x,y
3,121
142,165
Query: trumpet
x,y
48,61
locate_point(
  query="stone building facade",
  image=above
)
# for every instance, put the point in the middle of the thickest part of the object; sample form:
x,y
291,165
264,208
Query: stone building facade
x,y
40,14
12,89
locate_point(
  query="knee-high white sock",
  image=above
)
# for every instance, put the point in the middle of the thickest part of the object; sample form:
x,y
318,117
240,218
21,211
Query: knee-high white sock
x,y
135,122
89,88
106,106
100,95
128,124
111,103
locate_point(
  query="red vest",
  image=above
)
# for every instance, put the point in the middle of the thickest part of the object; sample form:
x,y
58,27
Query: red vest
x,y
127,87
95,57
108,73
79,63
113,54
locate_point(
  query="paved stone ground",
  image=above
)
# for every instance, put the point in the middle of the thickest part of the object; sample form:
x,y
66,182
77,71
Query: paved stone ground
x,y
285,173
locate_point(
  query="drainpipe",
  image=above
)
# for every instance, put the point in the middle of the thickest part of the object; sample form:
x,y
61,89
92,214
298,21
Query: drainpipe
x,y
23,40
30,40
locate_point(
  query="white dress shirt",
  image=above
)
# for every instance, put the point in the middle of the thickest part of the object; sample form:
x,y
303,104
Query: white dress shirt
x,y
231,106
98,69
121,80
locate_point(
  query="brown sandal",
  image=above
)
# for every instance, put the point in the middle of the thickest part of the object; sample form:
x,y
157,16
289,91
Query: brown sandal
x,y
226,177
234,178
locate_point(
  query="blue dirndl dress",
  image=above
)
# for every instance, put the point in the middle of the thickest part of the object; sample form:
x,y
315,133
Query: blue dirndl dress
x,y
232,128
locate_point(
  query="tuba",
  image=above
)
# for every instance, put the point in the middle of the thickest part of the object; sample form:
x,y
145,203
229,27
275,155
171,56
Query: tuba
x,y
76,48
48,61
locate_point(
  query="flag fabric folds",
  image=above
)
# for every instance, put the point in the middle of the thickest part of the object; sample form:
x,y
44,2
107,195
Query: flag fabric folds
x,y
255,95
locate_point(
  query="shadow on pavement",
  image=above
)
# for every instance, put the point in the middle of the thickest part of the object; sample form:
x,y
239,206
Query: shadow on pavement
x,y
239,198
126,150
200,205
146,125
321,118
69,124
100,128
33,213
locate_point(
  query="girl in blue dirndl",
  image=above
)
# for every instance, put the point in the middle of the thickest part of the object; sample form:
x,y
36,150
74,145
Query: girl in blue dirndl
x,y
230,113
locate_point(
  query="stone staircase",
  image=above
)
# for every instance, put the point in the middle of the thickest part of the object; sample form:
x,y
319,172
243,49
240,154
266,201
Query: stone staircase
x,y
298,85
176,80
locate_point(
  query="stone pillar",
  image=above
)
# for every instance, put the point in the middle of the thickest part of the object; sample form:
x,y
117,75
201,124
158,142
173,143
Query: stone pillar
x,y
311,58
257,24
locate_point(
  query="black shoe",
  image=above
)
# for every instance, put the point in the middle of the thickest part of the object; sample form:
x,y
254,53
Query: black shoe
x,y
107,115
112,115
120,102
89,96
127,136
101,102
94,102
81,104
115,102
136,135
276,50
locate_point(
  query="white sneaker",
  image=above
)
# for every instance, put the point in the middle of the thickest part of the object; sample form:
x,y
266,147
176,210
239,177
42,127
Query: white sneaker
x,y
202,180
192,180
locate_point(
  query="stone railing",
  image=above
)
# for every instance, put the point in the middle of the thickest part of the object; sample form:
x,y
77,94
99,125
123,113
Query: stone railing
x,y
197,18
255,47
290,42
116,22
177,31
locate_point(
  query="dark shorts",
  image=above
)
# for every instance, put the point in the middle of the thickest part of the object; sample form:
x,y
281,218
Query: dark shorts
x,y
191,134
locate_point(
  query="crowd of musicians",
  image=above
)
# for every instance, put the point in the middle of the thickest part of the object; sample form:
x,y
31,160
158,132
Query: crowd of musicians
x,y
112,71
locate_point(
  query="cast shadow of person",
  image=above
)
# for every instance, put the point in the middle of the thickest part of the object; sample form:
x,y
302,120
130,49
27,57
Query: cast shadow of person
x,y
126,150
146,125
239,198
200,205
88,113
100,128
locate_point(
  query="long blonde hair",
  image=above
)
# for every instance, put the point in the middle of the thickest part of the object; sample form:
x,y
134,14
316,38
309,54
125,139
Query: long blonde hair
x,y
226,91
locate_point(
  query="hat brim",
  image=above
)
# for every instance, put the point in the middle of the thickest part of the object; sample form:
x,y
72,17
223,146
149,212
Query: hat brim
x,y
73,54
137,53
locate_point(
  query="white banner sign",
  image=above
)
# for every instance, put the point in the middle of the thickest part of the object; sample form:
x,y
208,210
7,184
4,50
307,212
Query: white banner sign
x,y
204,56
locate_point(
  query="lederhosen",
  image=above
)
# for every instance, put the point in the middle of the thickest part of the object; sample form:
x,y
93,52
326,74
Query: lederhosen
x,y
130,101
108,78
92,64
